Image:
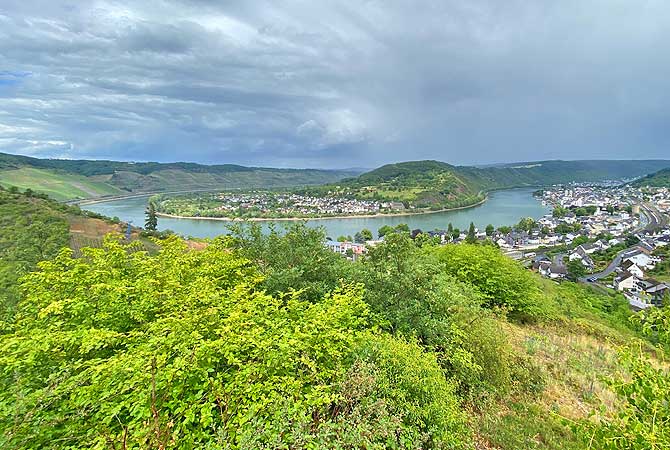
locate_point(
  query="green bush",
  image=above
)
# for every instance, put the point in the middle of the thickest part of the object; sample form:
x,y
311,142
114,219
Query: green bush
x,y
504,283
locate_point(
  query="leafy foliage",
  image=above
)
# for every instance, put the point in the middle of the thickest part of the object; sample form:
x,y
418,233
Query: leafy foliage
x,y
31,229
180,349
643,421
501,281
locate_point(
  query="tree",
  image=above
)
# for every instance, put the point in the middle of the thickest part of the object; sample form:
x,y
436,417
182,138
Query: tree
x,y
526,224
450,228
631,240
579,240
183,349
489,230
365,235
501,280
342,238
576,270
505,229
455,233
402,228
151,221
471,238
559,211
384,230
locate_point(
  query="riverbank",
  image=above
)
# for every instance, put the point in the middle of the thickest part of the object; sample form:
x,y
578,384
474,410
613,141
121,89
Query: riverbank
x,y
292,219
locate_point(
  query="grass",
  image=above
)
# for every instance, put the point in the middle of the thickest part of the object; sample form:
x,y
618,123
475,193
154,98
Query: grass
x,y
572,365
58,185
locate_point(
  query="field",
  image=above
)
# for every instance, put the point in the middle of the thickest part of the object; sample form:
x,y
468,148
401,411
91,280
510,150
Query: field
x,y
60,186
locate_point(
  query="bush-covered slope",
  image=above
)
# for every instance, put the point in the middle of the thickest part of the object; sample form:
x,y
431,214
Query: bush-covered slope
x,y
656,179
272,341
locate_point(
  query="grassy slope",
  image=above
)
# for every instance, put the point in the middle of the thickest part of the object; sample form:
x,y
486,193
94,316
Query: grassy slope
x,y
58,185
574,354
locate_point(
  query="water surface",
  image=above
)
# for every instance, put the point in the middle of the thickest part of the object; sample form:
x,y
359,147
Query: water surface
x,y
502,208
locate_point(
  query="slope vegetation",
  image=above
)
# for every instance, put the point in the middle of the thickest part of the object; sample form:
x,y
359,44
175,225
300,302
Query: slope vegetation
x,y
656,179
273,341
438,185
78,179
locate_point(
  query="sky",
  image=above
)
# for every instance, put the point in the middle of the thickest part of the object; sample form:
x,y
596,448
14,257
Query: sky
x,y
331,84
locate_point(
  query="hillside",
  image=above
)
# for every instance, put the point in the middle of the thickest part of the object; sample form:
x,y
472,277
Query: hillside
x,y
656,179
78,179
35,228
273,341
437,185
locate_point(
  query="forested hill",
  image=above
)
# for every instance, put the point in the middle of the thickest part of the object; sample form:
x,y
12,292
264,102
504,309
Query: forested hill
x,y
73,179
657,179
542,173
436,185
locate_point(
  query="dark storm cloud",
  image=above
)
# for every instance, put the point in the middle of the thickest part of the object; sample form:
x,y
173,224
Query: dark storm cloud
x,y
335,83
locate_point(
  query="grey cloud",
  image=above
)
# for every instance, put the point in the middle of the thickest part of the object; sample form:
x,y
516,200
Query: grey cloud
x,y
335,83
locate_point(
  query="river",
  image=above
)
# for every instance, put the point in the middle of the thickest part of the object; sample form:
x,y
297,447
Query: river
x,y
502,208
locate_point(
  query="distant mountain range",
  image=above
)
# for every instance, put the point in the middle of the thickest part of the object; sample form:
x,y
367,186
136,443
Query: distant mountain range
x,y
422,184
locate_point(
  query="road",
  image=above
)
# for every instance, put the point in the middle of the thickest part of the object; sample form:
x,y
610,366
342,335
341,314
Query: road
x,y
609,269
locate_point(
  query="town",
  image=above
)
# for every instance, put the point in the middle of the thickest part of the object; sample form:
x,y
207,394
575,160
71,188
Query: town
x,y
268,204
612,237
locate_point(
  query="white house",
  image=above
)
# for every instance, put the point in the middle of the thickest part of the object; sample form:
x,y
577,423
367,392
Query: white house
x,y
640,259
625,281
630,266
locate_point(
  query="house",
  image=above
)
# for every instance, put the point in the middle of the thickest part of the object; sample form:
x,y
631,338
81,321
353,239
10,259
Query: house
x,y
639,258
625,281
652,291
630,266
557,271
659,293
580,254
543,267
343,248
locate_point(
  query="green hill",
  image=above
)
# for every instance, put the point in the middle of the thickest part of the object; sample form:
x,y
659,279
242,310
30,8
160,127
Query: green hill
x,y
656,179
418,184
79,179
438,185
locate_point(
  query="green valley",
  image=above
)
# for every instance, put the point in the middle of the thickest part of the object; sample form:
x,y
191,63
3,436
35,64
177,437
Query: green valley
x,y
80,179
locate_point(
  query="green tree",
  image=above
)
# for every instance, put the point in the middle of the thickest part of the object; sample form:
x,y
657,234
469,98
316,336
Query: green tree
x,y
489,230
505,229
471,237
527,224
402,228
384,230
502,281
576,270
184,349
291,257
631,240
363,235
559,211
151,221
